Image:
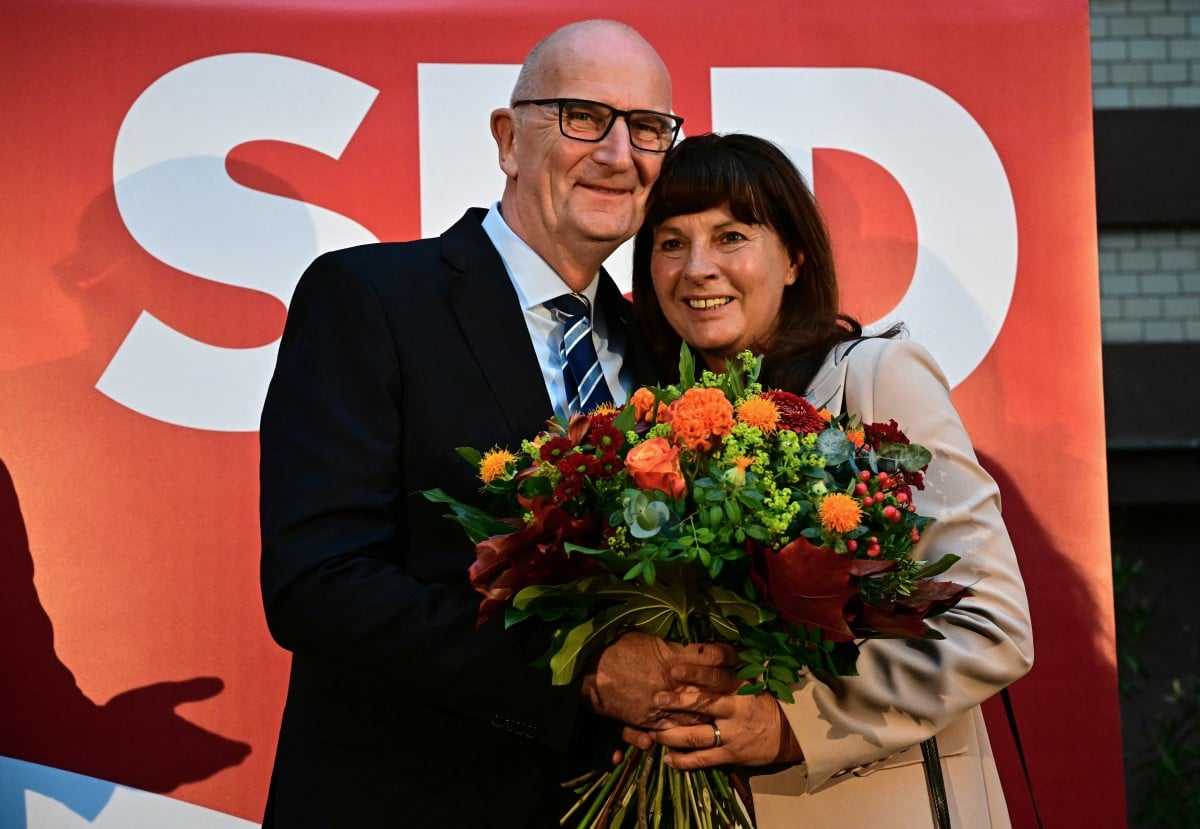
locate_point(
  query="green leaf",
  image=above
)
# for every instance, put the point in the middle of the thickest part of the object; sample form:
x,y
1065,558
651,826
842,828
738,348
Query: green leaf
x,y
911,457
470,454
758,532
751,498
936,568
626,420
781,673
536,486
607,558
733,510
528,597
687,367
514,616
835,446
724,607
643,612
750,672
478,524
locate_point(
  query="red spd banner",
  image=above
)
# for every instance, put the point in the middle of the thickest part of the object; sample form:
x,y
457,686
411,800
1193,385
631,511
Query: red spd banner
x,y
171,168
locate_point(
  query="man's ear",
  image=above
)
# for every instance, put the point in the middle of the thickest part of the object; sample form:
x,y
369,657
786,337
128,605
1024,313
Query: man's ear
x,y
504,130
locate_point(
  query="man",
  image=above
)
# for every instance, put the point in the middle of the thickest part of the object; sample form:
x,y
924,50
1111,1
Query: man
x,y
399,712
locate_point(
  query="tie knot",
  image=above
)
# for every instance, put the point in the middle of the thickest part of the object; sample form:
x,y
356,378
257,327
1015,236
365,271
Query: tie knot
x,y
572,306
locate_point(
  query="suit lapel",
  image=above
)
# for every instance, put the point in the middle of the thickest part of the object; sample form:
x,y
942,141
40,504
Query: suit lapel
x,y
493,325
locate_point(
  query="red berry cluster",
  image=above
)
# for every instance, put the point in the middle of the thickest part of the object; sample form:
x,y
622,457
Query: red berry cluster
x,y
887,494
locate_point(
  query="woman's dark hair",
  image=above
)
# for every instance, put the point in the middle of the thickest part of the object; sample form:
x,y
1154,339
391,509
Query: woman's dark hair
x,y
761,186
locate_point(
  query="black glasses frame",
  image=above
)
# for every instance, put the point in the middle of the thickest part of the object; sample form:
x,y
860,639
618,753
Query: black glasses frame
x,y
624,114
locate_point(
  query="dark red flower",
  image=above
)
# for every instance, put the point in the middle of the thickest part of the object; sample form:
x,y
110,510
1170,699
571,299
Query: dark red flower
x,y
876,434
578,465
504,564
610,465
555,448
603,436
568,488
796,413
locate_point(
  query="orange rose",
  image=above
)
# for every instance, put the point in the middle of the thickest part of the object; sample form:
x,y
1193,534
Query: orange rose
x,y
655,465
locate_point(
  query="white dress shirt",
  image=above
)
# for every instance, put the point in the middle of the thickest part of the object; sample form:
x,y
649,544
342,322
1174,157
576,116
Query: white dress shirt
x,y
536,283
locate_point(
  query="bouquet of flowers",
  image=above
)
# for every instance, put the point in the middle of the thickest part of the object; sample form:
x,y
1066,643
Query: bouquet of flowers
x,y
709,510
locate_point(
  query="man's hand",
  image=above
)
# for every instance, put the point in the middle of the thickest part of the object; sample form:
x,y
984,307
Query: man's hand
x,y
637,667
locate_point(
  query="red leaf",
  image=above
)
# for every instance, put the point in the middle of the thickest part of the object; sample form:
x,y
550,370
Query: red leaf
x,y
906,616
870,566
577,428
931,594
810,586
891,621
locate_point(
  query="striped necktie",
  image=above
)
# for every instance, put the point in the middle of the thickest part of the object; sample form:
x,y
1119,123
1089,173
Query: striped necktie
x,y
586,388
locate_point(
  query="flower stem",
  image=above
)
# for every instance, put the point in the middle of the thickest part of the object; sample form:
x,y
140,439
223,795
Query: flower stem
x,y
583,798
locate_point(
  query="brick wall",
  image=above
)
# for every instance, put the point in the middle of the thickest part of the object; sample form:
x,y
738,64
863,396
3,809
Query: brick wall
x,y
1150,285
1146,53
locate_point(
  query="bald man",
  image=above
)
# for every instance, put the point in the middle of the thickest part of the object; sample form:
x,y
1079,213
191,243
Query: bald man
x,y
400,712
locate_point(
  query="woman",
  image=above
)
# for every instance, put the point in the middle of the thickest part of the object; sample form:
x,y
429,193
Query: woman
x,y
734,255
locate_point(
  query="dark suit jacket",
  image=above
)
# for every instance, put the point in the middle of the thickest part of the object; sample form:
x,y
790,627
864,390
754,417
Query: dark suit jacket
x,y
400,712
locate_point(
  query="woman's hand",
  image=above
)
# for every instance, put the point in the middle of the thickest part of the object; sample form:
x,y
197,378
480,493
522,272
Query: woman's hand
x,y
753,730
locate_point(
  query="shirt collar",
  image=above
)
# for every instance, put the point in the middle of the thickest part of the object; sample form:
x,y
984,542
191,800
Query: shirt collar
x,y
535,281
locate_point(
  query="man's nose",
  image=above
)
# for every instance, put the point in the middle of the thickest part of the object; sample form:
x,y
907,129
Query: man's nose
x,y
616,148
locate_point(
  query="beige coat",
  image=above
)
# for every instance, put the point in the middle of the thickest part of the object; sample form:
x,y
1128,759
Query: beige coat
x,y
860,735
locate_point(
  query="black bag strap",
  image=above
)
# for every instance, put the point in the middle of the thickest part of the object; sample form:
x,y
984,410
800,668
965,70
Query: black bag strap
x,y
935,784
1012,724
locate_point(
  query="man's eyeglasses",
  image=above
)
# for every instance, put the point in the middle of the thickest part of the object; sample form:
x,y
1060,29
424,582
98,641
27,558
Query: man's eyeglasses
x,y
651,131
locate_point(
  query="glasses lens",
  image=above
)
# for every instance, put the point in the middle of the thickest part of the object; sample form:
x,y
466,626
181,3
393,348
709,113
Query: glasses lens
x,y
651,130
585,120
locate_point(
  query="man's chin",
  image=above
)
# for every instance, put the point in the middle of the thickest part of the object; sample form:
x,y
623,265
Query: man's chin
x,y
607,227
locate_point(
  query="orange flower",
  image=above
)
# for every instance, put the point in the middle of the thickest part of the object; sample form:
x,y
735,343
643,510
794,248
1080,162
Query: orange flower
x,y
655,465
839,513
857,436
643,404
825,415
494,464
701,418
642,401
760,413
